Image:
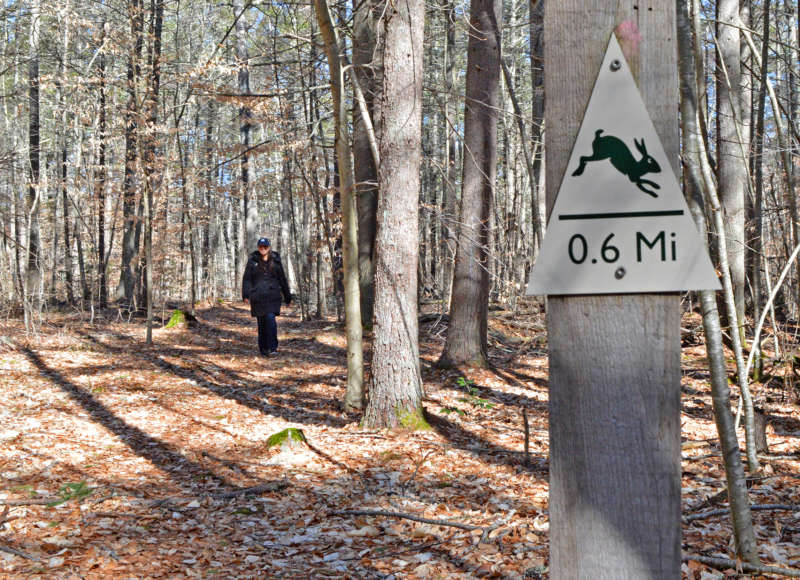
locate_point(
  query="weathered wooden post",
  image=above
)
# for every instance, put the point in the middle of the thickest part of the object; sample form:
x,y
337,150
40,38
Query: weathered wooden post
x,y
617,251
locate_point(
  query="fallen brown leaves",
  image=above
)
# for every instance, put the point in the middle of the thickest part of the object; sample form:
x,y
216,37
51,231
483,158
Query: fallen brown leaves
x,y
123,461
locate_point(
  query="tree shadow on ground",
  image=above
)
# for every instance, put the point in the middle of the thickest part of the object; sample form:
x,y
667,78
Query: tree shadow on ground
x,y
783,423
182,470
231,385
518,379
472,499
487,451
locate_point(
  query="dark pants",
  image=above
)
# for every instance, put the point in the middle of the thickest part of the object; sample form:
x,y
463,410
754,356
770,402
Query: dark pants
x,y
267,333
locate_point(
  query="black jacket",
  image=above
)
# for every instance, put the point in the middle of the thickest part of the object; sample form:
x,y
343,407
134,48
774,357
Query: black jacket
x,y
263,285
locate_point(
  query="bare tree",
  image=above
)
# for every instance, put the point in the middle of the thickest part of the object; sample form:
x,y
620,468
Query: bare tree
x,y
101,173
395,396
367,70
34,269
731,148
694,157
130,246
354,396
469,304
249,206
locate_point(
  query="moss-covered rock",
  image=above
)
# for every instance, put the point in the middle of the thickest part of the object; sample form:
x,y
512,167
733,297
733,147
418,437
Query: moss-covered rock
x,y
178,317
181,318
290,437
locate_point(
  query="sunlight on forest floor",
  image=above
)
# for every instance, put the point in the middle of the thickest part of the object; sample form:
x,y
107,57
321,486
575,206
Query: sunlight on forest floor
x,y
123,461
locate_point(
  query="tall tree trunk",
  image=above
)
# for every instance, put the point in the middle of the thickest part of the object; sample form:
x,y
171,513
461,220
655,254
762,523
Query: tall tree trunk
x,y
354,395
290,257
449,219
100,178
153,171
537,128
61,89
34,269
792,49
292,261
207,260
187,211
757,169
367,69
700,71
50,291
132,120
694,157
250,207
784,147
469,306
395,396
731,160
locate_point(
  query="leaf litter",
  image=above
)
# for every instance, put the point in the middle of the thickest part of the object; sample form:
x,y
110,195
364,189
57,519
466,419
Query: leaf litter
x,y
194,458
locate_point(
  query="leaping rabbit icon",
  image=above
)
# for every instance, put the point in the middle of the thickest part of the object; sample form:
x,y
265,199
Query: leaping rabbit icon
x,y
615,150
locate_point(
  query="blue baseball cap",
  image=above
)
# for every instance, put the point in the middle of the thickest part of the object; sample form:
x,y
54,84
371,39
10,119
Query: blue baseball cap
x,y
264,242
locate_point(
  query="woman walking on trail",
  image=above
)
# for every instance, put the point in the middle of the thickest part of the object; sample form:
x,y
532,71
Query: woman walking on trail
x,y
262,286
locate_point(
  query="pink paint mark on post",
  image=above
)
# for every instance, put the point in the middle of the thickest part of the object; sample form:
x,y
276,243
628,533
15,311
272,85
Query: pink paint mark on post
x,y
629,39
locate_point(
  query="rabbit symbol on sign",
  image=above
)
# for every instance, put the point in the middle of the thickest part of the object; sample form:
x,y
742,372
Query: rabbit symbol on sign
x,y
615,150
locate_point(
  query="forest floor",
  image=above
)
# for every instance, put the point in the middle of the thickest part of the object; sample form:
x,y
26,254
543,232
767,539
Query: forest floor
x,y
119,460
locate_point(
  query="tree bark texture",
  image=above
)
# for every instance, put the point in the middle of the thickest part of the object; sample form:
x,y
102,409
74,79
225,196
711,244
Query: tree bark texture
x,y
100,181
469,306
250,207
34,269
354,395
449,202
396,389
366,53
537,121
615,359
694,155
732,160
132,119
60,88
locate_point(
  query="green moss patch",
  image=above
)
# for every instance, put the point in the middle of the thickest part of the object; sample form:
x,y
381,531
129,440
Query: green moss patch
x,y
287,438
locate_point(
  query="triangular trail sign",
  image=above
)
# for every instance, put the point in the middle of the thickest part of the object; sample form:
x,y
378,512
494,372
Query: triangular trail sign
x,y
620,223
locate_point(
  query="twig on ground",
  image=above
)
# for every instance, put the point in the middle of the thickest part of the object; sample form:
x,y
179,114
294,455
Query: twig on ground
x,y
770,456
265,487
724,563
10,550
399,552
493,527
699,457
32,501
271,486
452,524
725,511
713,500
411,517
147,516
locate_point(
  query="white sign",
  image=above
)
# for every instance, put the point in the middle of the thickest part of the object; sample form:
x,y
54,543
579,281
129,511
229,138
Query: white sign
x,y
620,223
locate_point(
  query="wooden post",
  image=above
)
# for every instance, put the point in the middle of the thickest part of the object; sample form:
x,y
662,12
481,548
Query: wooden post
x,y
614,359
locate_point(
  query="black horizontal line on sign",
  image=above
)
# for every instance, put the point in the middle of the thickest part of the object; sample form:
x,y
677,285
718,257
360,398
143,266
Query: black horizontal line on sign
x,y
624,214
